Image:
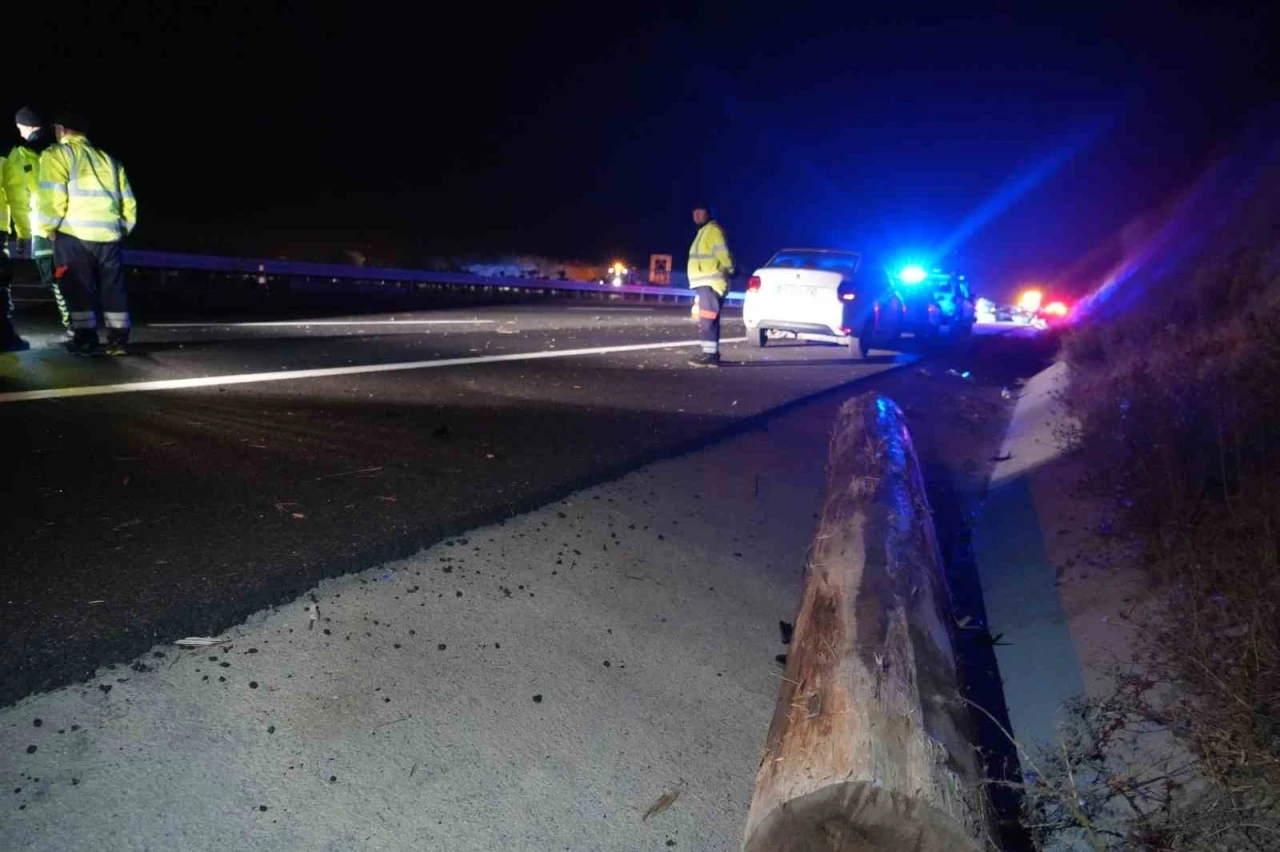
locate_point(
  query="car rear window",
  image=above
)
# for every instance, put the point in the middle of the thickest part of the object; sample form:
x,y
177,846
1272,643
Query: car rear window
x,y
843,262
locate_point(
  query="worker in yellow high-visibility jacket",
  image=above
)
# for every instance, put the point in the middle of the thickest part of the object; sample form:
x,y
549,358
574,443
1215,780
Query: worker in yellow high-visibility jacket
x,y
10,341
710,269
84,203
19,177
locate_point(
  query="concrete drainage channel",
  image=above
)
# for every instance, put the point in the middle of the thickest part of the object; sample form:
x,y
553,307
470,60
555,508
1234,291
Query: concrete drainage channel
x,y
591,675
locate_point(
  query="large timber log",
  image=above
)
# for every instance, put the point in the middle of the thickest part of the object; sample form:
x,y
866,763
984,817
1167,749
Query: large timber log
x,y
869,748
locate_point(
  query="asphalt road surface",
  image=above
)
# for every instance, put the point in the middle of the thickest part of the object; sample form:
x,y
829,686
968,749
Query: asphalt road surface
x,y
230,465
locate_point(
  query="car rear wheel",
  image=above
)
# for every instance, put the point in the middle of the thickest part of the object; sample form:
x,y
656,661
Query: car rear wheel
x,y
759,338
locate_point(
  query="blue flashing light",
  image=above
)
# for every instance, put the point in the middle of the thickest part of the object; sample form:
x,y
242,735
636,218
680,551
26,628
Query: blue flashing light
x,y
912,274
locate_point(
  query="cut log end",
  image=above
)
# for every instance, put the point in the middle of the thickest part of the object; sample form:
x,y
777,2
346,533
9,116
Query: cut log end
x,y
856,816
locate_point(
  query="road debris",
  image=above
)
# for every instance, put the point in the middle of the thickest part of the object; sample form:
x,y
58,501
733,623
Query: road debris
x,y
665,801
200,641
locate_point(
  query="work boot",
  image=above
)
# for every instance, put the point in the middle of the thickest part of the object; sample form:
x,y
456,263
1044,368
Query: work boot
x,y
705,359
117,345
11,342
85,343
62,339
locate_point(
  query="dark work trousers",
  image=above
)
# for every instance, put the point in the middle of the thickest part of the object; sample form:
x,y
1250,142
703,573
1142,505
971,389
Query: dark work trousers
x,y
42,253
7,332
709,302
92,275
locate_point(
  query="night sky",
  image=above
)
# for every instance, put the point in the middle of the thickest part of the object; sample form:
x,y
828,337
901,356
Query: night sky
x,y
1018,142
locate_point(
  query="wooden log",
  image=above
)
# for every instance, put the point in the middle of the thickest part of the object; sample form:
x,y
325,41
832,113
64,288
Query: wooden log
x,y
870,746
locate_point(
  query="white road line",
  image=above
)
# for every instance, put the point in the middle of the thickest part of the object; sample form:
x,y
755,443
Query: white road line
x,y
299,323
321,372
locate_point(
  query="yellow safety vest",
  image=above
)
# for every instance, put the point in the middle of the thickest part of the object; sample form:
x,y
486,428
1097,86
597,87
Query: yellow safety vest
x,y
83,192
4,210
18,176
709,259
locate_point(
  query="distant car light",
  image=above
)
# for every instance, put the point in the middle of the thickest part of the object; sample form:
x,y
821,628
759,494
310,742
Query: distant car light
x,y
1030,300
912,274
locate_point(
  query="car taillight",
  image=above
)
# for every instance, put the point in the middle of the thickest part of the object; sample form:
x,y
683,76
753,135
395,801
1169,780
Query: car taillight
x,y
753,283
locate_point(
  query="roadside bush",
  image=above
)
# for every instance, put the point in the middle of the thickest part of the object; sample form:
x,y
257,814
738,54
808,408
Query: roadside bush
x,y
1179,412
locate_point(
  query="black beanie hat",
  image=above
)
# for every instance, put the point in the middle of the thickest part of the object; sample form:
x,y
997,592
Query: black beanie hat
x,y
29,117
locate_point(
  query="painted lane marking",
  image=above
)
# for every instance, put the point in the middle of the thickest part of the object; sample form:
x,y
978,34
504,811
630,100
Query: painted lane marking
x,y
322,372
300,323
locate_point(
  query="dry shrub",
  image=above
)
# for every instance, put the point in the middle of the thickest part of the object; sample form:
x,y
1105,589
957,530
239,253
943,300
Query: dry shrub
x,y
1179,410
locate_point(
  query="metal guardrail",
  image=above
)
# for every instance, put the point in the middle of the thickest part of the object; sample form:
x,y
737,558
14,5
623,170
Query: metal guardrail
x,y
339,272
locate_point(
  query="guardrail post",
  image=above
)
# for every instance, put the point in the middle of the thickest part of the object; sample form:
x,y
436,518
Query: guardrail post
x,y
870,747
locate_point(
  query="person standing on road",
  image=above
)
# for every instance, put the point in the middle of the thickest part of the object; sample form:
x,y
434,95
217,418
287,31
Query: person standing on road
x,y
710,268
19,177
9,339
86,206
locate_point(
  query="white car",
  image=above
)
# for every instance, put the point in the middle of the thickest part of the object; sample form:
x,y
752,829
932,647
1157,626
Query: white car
x,y
820,294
